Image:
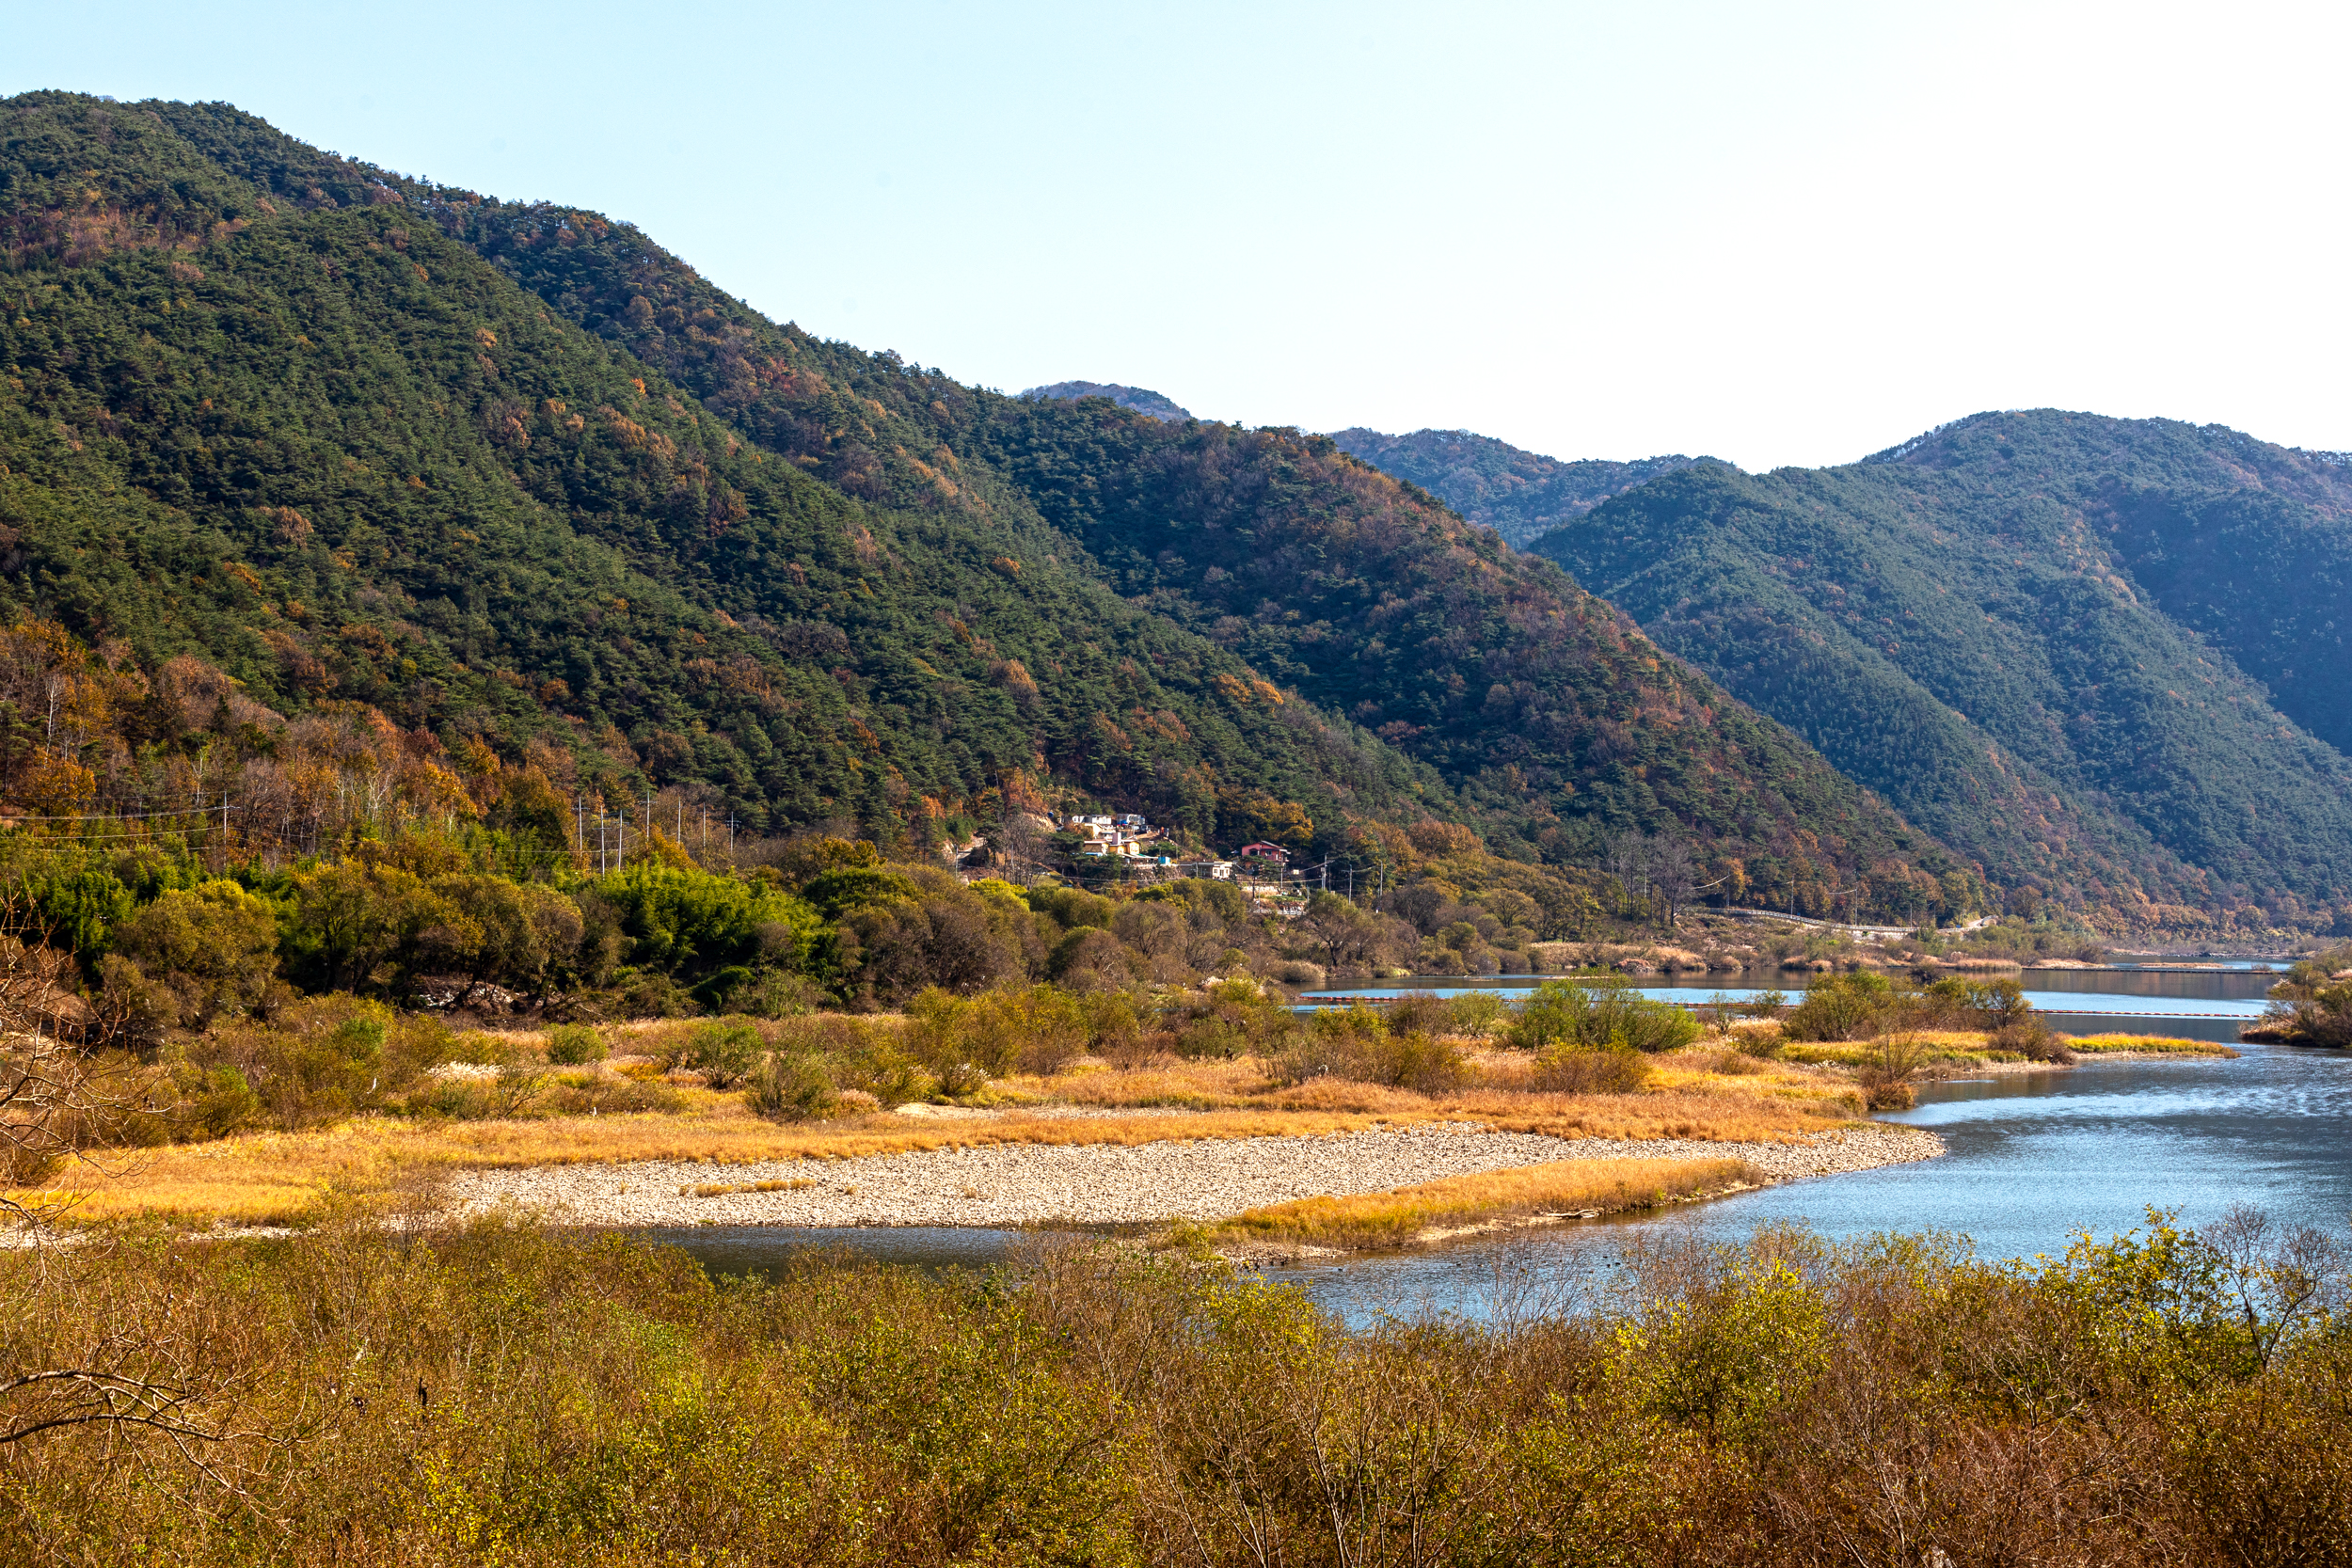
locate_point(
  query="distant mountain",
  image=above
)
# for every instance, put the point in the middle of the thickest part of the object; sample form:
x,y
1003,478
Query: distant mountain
x,y
2108,654
1516,493
513,477
1136,398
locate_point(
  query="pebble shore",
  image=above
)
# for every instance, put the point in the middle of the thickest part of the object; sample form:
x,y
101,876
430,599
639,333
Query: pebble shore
x,y
1207,1178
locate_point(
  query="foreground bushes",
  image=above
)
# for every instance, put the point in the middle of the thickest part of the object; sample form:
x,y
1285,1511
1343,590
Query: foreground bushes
x,y
512,1396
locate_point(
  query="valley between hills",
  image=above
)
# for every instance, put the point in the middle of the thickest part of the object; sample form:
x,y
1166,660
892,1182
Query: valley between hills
x,y
539,802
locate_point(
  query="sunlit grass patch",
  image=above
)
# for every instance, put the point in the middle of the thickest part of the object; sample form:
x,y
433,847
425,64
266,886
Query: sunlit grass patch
x,y
2148,1045
1404,1214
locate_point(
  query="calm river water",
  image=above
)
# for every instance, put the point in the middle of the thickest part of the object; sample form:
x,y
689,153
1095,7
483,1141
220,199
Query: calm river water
x,y
2032,1160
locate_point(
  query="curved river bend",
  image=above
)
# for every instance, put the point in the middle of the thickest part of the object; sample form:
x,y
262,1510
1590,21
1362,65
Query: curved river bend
x,y
2033,1160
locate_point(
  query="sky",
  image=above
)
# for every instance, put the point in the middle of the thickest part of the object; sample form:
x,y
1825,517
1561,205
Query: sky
x,y
1772,233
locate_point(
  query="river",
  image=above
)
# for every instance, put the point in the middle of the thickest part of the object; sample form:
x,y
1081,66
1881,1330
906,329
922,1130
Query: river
x,y
2033,1159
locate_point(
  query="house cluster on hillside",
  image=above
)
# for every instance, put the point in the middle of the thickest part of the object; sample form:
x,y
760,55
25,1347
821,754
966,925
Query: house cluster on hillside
x,y
1131,837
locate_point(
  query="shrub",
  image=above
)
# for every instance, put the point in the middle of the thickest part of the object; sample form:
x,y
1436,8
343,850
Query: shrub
x,y
575,1044
1885,1071
1597,1013
969,1040
1843,1008
217,1102
724,1051
1424,1063
1478,1014
773,994
1575,1070
648,994
1228,1018
325,1057
862,1055
791,1086
1362,1044
1419,1011
2031,1038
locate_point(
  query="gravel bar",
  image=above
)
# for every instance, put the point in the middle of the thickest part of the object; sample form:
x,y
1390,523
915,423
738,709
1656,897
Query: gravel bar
x,y
1206,1179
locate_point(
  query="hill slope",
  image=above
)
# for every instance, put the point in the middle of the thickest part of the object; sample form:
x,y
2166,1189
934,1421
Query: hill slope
x,y
515,474
313,439
1518,494
2033,632
1461,653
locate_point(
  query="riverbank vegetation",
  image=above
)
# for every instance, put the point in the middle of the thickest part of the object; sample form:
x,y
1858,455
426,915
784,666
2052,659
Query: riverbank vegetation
x,y
507,1108
276,1108
511,1394
2312,1005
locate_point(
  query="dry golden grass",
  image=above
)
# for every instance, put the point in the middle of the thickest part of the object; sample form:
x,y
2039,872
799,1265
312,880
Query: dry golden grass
x,y
291,1178
1760,1101
1405,1214
2148,1045
1970,1048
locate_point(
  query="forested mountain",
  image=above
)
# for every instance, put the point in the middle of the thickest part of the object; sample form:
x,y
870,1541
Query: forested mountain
x,y
306,435
2108,653
519,479
1136,398
1518,494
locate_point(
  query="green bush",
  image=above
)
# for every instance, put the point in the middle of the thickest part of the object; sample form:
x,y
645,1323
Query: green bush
x,y
322,1058
1844,1007
863,1054
1228,1018
1479,1014
965,1041
1366,1046
791,1086
215,1102
1599,1012
1417,1011
574,1044
724,1051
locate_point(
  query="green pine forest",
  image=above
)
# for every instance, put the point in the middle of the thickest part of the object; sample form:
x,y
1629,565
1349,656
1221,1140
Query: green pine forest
x,y
296,439
2105,654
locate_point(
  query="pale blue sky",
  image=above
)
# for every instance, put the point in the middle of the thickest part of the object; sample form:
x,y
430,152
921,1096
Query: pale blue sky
x,y
1776,233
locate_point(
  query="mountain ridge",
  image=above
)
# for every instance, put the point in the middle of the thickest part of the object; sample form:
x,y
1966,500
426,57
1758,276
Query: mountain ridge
x,y
2086,647
792,504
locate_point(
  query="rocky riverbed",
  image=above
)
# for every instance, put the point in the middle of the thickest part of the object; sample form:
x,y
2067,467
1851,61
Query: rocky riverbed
x,y
1100,1184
